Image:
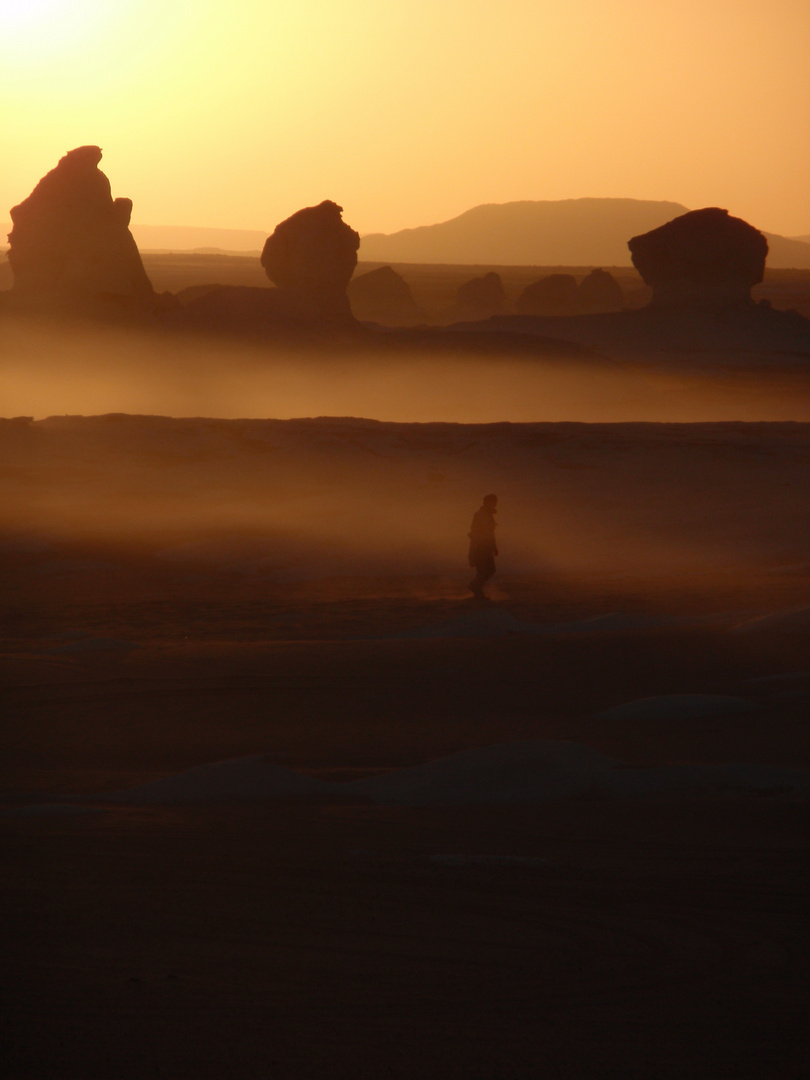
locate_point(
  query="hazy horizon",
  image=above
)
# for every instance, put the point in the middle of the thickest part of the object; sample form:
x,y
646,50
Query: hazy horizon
x,y
171,236
564,232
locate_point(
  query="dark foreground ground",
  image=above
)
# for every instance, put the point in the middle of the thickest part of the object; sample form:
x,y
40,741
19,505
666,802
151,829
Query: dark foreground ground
x,y
275,941
578,938
176,592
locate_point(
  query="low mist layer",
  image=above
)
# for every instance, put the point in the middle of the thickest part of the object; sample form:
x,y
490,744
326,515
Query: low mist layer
x,y
49,371
314,498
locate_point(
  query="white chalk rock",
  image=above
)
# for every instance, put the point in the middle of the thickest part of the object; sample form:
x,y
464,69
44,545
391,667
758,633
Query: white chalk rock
x,y
503,773
677,707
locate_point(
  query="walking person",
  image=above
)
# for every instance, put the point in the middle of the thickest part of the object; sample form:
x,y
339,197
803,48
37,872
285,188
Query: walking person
x,y
483,547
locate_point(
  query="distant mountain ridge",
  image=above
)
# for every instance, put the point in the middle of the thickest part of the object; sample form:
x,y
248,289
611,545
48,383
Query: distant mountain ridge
x,y
566,232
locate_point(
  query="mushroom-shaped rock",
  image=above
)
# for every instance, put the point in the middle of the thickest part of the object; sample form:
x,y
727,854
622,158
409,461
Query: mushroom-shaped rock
x,y
705,258
482,296
70,245
599,291
311,257
552,295
383,296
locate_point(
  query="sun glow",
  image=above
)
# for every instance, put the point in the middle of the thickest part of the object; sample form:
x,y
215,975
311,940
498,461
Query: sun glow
x,y
408,114
26,12
35,30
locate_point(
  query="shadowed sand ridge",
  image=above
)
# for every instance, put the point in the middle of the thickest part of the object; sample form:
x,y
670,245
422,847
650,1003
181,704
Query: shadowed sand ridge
x,y
384,296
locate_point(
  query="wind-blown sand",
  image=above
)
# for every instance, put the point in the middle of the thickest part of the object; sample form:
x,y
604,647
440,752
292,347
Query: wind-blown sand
x,y
308,498
281,801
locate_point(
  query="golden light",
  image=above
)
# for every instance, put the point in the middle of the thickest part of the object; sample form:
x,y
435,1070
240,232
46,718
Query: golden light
x,y
35,29
411,113
25,12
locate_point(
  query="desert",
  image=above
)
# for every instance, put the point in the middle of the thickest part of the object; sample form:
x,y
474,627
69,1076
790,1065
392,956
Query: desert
x,y
283,793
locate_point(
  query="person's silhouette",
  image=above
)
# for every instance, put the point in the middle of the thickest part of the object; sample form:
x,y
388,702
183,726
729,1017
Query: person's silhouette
x,y
483,548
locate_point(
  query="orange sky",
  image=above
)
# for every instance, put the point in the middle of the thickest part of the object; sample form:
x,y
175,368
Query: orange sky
x,y
236,114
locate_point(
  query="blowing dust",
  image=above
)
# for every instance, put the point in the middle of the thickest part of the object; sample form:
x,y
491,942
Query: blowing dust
x,y
600,468
84,372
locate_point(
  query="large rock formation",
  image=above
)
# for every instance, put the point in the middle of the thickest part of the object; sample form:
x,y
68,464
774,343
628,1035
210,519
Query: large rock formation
x,y
701,259
599,292
552,295
311,258
384,296
481,297
71,248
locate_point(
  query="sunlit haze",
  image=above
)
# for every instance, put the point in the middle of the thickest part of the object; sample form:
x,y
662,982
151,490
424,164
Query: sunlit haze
x,y
236,115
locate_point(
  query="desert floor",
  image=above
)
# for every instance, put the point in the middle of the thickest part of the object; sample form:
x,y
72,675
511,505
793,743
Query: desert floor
x,y
177,592
433,286
178,588
566,938
654,938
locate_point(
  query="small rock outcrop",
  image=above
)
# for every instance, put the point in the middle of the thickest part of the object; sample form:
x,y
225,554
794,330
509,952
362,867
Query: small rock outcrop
x,y
599,292
481,297
71,248
311,258
705,258
552,295
384,296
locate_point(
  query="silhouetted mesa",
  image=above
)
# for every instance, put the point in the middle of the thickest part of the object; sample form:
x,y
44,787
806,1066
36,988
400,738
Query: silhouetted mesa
x,y
702,259
311,258
598,292
384,296
71,248
552,295
482,296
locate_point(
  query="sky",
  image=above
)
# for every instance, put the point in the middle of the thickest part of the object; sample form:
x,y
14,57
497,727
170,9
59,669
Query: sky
x,y
409,112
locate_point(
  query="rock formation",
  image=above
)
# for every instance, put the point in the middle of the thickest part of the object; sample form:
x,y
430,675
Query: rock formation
x,y
481,297
701,259
71,248
552,295
384,296
311,258
599,291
